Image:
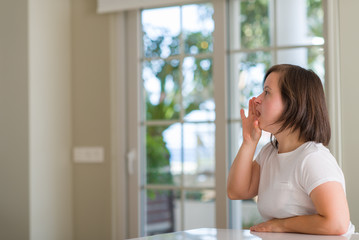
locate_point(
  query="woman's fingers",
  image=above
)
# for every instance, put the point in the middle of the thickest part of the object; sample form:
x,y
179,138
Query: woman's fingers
x,y
250,124
251,110
252,113
256,126
252,106
243,116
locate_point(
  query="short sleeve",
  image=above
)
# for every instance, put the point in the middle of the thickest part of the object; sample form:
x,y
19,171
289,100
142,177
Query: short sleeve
x,y
317,168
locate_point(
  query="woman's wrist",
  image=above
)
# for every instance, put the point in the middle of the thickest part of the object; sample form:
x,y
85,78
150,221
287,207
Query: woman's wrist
x,y
250,143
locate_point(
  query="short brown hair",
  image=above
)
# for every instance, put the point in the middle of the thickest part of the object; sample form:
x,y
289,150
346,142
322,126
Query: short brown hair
x,y
304,103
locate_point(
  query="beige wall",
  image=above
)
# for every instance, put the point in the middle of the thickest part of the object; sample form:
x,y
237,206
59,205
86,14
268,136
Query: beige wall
x,y
91,119
35,123
349,52
14,118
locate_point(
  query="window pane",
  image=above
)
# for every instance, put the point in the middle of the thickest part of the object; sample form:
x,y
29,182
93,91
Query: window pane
x,y
254,28
296,56
163,211
250,213
199,207
316,61
197,90
161,30
255,24
173,138
315,16
312,58
298,23
235,137
161,162
161,86
246,81
198,26
235,129
199,164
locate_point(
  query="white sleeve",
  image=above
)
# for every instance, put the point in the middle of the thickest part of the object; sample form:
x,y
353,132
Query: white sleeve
x,y
318,168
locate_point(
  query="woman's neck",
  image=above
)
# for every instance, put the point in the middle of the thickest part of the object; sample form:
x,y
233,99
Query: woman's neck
x,y
288,141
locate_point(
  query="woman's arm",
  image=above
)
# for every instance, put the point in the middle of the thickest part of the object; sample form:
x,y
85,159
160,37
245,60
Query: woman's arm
x,y
243,177
332,219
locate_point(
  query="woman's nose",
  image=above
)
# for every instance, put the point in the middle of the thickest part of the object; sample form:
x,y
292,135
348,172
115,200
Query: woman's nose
x,y
258,99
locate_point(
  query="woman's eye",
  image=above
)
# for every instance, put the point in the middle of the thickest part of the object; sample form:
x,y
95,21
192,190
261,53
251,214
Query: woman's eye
x,y
266,92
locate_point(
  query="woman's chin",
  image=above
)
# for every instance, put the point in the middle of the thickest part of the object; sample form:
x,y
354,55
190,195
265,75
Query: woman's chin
x,y
260,125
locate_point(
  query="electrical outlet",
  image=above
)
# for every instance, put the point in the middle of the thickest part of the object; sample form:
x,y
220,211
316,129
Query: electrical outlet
x,y
89,154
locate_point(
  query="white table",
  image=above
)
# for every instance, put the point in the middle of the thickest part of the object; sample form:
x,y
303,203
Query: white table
x,y
231,234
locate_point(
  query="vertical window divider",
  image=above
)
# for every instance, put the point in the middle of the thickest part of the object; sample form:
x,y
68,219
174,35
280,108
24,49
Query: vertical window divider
x,y
182,114
273,12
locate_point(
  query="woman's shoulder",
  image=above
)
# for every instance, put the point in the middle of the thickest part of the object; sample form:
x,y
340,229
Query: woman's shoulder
x,y
316,152
315,148
317,166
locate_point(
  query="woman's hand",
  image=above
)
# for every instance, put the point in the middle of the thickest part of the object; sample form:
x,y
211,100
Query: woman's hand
x,y
273,225
251,131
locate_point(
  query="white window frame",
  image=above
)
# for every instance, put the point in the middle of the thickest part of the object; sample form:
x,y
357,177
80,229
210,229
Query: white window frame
x,y
125,77
332,66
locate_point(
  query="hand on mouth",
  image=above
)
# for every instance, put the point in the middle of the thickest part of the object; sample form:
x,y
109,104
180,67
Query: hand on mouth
x,y
258,114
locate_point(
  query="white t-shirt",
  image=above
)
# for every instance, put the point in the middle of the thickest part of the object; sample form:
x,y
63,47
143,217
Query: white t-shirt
x,y
287,179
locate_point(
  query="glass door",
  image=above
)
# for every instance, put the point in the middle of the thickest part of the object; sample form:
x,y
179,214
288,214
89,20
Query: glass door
x,y
177,119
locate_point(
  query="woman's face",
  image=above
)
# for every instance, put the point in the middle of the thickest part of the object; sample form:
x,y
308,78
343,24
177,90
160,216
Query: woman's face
x,y
269,104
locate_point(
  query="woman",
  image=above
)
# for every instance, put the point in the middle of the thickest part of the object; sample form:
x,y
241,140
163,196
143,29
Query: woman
x,y
299,184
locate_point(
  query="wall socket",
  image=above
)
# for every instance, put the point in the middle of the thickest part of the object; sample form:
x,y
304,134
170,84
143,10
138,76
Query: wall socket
x,y
89,154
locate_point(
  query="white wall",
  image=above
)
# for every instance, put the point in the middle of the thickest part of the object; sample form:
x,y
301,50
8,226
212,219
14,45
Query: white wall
x,y
349,53
50,119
